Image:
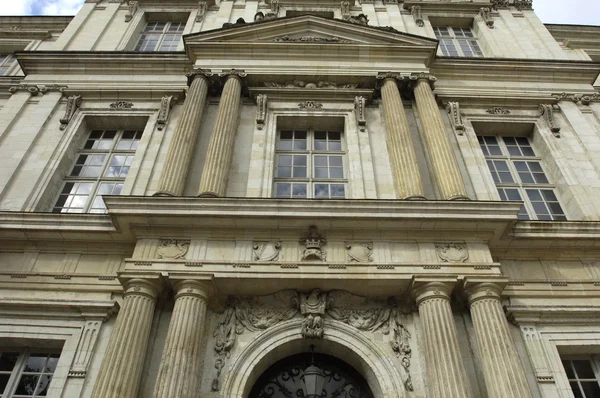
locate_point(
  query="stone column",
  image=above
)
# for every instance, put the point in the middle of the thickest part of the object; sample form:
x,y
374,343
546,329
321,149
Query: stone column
x,y
444,164
446,374
121,368
180,372
502,369
400,146
220,149
175,170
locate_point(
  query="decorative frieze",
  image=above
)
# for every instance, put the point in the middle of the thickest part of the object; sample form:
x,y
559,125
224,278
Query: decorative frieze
x,y
313,243
498,111
261,110
523,4
312,308
417,15
585,99
359,252
266,251
32,89
131,10
453,109
451,252
121,105
321,84
202,6
310,39
73,103
310,105
547,111
498,4
166,103
359,112
485,14
173,249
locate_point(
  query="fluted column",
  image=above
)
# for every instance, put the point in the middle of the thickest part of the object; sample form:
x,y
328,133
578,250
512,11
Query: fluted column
x,y
407,178
180,372
121,368
220,148
502,368
175,170
443,161
446,375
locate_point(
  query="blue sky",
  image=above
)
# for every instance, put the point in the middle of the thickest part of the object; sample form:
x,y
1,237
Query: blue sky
x,y
581,12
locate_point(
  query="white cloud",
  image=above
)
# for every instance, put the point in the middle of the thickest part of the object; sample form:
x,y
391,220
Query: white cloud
x,y
14,7
40,7
574,12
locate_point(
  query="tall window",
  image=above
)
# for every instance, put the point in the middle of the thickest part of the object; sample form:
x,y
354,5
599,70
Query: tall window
x,y
584,377
160,36
519,176
6,61
26,373
310,164
457,42
100,169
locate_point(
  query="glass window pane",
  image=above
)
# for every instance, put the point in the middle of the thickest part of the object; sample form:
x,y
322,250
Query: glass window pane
x,y
43,386
335,161
284,172
583,369
321,161
299,191
299,160
3,381
27,385
299,172
321,191
534,195
285,160
576,390
8,360
539,208
283,189
286,134
36,363
526,178
590,388
52,362
321,172
336,172
549,195
337,191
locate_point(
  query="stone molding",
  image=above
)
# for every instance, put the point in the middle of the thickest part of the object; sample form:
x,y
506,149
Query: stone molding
x,y
584,99
34,90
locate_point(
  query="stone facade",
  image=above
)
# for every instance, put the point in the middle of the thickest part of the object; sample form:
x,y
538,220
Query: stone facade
x,y
197,277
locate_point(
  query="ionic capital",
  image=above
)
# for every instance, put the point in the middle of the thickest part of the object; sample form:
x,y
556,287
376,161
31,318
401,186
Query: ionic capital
x,y
142,287
480,290
194,288
427,290
198,72
237,73
389,75
415,78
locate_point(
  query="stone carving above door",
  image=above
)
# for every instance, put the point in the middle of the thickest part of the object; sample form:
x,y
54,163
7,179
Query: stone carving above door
x,y
172,249
452,252
312,307
266,251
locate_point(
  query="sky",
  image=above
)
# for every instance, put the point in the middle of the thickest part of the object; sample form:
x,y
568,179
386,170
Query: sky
x,y
577,12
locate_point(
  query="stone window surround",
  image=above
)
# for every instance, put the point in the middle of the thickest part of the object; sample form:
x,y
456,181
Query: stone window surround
x,y
360,174
71,141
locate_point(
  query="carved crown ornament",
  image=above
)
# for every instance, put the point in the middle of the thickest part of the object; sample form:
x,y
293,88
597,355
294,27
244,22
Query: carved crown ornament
x,y
313,243
314,308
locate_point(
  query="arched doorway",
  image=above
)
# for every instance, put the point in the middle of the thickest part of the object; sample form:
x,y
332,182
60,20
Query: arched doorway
x,y
284,379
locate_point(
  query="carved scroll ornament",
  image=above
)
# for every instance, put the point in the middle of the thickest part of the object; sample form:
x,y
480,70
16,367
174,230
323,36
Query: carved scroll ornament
x,y
166,103
202,6
485,14
417,15
345,10
131,10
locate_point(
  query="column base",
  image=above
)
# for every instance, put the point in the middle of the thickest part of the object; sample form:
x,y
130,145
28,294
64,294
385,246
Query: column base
x,y
163,193
209,195
414,197
459,197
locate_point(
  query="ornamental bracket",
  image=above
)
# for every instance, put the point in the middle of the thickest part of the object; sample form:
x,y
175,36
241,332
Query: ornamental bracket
x,y
456,121
547,111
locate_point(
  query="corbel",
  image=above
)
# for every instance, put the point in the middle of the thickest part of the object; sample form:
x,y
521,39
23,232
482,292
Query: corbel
x,y
359,112
537,355
453,109
485,14
133,7
202,6
547,111
261,110
345,5
417,15
166,103
275,6
73,103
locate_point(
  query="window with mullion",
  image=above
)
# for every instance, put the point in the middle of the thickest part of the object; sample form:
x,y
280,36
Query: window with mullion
x,y
27,373
309,164
519,176
457,42
100,169
6,61
583,379
160,36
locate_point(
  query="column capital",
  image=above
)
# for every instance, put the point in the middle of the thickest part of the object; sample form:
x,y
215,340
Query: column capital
x,y
149,287
422,76
192,74
203,289
389,75
484,289
429,288
227,73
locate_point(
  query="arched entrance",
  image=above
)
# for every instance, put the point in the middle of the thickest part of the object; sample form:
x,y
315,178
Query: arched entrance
x,y
284,379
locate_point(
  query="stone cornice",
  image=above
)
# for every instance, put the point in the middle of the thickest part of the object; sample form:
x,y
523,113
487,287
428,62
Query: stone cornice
x,y
441,7
47,24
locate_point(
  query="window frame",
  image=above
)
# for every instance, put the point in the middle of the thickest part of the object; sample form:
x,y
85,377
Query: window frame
x,y
310,180
517,182
161,36
7,62
19,369
100,179
456,41
594,364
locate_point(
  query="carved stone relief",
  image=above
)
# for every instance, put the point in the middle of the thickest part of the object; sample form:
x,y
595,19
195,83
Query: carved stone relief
x,y
202,6
360,19
498,111
318,85
310,105
313,243
345,10
172,248
585,99
166,103
121,105
275,6
359,252
266,251
547,111
537,355
417,15
73,103
485,14
261,110
132,9
312,307
85,348
452,252
32,89
453,109
311,39
359,112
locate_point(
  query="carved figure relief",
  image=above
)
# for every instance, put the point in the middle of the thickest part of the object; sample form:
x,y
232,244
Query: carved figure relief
x,y
172,248
313,243
261,110
132,9
121,105
547,111
310,39
453,109
498,111
452,252
166,103
318,85
275,6
417,15
312,307
359,112
310,105
359,252
73,103
267,251
360,19
202,6
485,12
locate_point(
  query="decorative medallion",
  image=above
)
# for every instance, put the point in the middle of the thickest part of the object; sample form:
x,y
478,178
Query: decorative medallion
x,y
172,248
359,252
121,105
498,111
310,105
313,243
452,252
266,251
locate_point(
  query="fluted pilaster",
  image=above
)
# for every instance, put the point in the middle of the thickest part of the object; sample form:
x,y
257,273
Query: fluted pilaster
x,y
400,146
174,172
121,368
446,375
220,148
443,161
502,368
180,372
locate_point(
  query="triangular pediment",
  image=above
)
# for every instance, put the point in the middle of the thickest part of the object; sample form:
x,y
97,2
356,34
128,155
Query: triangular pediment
x,y
309,29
